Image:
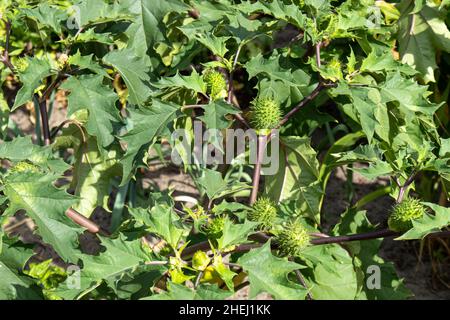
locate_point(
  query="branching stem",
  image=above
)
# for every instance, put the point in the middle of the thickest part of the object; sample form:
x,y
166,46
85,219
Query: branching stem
x,y
262,141
5,59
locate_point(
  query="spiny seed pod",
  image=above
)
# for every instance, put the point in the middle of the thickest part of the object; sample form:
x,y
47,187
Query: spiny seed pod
x,y
404,213
265,113
21,64
216,84
215,227
263,211
293,238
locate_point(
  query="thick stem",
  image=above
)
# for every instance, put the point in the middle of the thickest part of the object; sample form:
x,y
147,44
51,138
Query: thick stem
x,y
43,108
404,188
241,119
8,35
301,280
303,283
85,222
356,237
45,122
317,47
5,57
230,78
323,239
156,263
262,140
198,279
401,194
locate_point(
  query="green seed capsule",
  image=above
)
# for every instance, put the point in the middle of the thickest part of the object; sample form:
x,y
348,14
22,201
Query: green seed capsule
x,y
293,239
263,211
216,84
404,213
200,261
265,113
215,226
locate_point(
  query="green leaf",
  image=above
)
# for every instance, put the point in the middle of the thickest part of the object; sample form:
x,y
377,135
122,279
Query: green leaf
x,y
31,78
224,273
272,68
147,28
134,71
215,113
4,116
120,259
87,62
277,9
91,36
422,34
217,45
46,205
233,234
343,144
375,170
216,187
161,220
367,109
212,182
383,62
234,207
144,125
428,223
332,276
194,82
93,172
13,284
180,292
297,177
88,93
410,95
268,273
46,16
22,148
93,12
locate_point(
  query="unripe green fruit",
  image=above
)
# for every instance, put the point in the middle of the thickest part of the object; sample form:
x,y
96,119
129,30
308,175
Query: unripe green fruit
x,y
216,84
293,238
200,261
263,211
404,213
21,64
265,113
215,226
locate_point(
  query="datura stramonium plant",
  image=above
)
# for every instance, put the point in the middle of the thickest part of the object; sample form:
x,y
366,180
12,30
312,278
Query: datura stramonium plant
x,y
265,113
403,214
293,238
215,83
263,211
